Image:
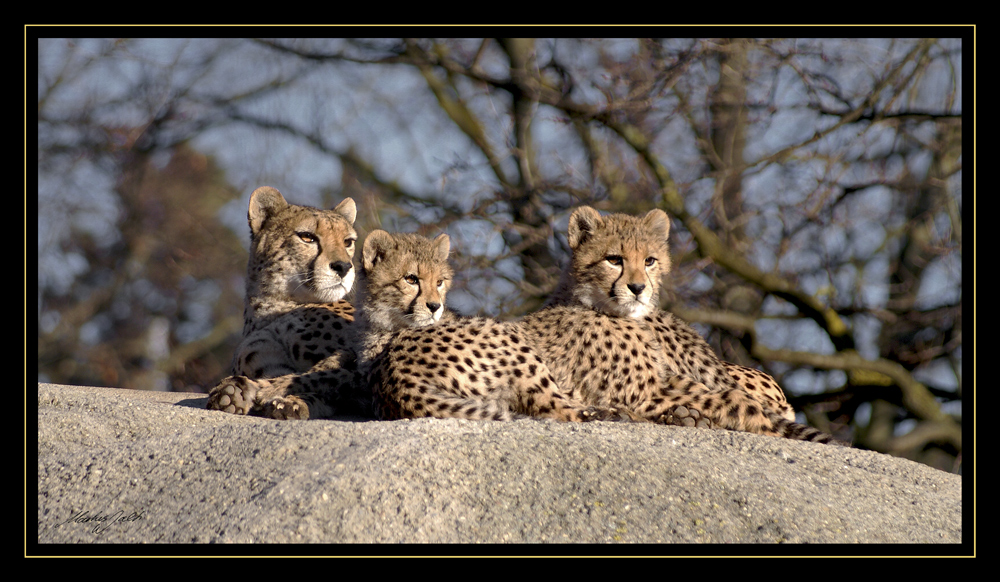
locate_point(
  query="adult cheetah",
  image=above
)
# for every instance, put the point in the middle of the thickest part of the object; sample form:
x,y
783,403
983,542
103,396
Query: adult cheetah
x,y
297,357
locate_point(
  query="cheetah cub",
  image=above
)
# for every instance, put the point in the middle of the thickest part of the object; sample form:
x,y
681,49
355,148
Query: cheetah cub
x,y
605,338
422,360
297,357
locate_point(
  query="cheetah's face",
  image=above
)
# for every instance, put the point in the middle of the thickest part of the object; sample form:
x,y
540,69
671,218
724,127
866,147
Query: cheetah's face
x,y
320,254
301,253
407,277
618,261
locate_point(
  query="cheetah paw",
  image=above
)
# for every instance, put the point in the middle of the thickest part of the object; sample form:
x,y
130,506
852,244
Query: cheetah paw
x,y
608,415
281,408
234,395
684,416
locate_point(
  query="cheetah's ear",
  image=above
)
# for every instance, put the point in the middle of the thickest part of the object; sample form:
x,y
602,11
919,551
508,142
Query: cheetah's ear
x,y
657,221
442,245
377,244
582,224
348,209
264,202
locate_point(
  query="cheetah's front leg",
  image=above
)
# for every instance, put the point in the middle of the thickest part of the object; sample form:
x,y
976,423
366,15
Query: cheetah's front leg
x,y
684,402
540,397
285,408
235,395
261,397
681,415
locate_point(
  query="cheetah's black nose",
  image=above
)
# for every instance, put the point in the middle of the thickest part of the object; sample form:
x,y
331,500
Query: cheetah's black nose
x,y
434,307
340,267
636,288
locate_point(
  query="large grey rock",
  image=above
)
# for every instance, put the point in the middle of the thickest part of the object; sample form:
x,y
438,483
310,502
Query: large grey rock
x,y
157,467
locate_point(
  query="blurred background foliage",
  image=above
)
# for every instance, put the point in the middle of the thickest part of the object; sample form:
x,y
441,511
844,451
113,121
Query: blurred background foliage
x,y
814,187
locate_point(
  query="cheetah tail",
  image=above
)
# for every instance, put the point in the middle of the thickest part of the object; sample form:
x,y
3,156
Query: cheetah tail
x,y
801,432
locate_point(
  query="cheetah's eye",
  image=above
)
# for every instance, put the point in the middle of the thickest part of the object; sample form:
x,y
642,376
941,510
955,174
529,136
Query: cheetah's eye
x,y
614,260
440,283
411,279
349,242
650,261
307,237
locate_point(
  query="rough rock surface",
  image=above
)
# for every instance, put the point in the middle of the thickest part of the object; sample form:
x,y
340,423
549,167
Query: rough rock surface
x,y
126,466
